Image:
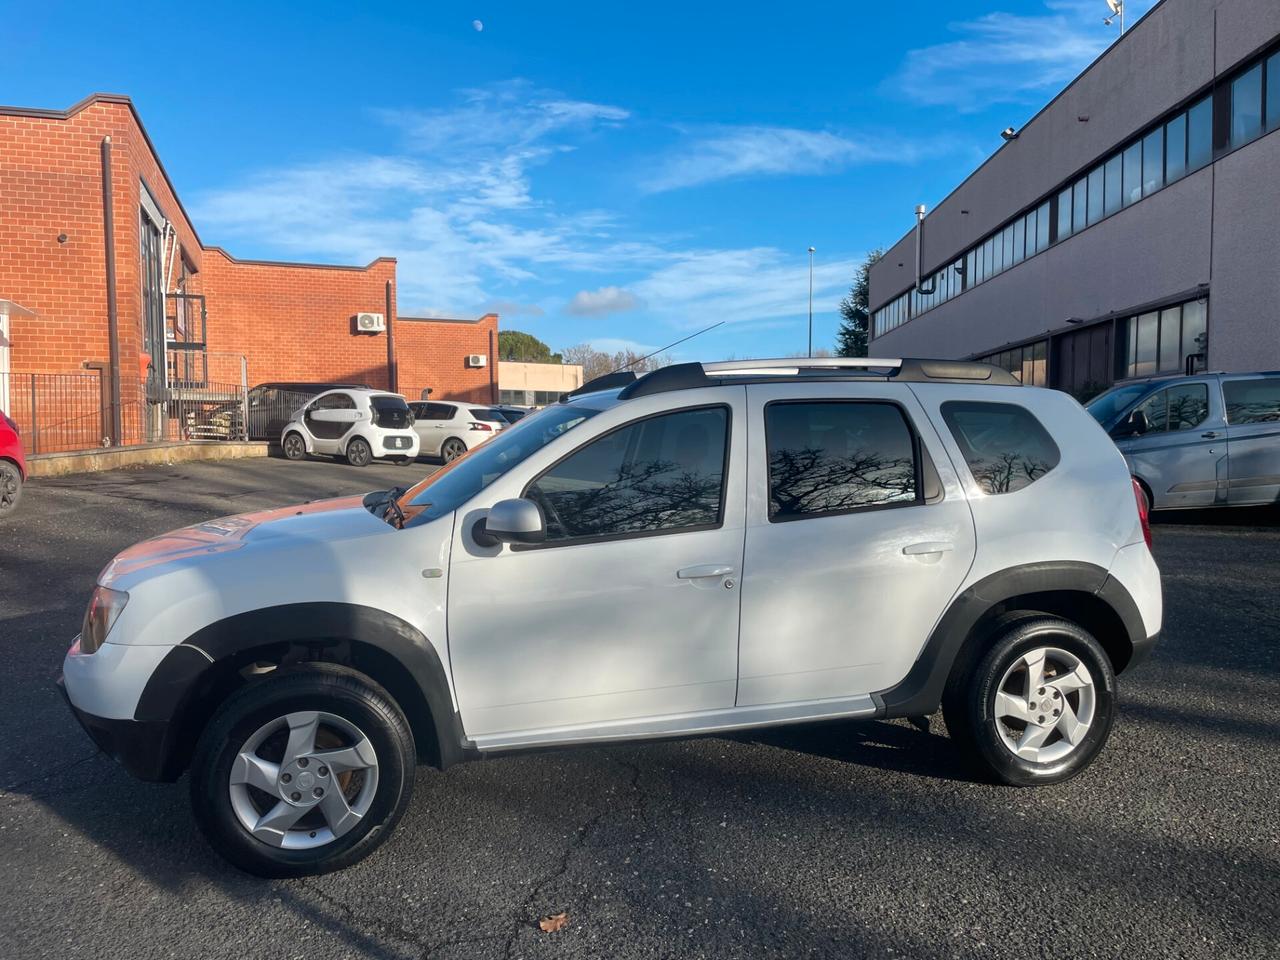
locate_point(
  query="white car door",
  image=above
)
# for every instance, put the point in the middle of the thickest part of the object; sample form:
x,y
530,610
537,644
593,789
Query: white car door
x,y
629,610
429,422
858,536
329,419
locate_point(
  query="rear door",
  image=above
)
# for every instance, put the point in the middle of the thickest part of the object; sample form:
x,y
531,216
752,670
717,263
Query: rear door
x,y
1183,455
858,536
1253,432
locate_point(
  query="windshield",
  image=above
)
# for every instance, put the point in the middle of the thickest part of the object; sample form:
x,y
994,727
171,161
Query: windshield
x,y
457,482
1107,406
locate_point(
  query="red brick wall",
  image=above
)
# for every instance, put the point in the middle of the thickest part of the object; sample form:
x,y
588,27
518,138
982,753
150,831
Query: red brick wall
x,y
433,353
292,321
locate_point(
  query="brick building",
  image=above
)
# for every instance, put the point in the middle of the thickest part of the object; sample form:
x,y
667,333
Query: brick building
x,y
118,302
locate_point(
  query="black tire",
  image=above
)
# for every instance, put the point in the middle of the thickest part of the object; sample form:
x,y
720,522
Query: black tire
x,y
969,703
404,461
316,687
295,448
10,487
452,449
359,453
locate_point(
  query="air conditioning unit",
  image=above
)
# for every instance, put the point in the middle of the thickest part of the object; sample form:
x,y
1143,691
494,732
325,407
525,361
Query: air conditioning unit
x,y
370,323
476,360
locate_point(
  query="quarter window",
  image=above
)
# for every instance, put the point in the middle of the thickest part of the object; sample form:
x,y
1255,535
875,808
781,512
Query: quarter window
x,y
1252,401
836,457
657,475
1005,446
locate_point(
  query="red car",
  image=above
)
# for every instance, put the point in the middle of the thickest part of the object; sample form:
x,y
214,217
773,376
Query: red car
x,y
13,466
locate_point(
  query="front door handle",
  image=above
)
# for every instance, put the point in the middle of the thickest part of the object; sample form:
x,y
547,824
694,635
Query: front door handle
x,y
1210,434
930,547
700,571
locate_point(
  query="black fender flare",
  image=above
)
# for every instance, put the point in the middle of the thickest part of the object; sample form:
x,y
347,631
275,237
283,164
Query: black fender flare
x,y
919,693
178,679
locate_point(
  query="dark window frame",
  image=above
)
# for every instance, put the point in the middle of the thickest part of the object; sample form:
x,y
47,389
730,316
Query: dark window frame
x,y
918,453
640,534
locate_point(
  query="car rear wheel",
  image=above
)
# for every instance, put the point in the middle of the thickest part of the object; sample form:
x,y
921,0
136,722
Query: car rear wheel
x,y
295,448
452,449
10,487
304,772
359,453
1037,706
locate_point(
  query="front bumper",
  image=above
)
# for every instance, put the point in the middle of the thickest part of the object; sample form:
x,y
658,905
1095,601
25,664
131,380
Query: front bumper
x,y
140,746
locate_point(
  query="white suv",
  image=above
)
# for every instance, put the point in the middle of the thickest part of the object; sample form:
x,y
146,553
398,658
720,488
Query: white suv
x,y
361,425
710,547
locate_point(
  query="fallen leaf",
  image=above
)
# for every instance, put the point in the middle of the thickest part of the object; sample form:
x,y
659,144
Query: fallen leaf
x,y
554,922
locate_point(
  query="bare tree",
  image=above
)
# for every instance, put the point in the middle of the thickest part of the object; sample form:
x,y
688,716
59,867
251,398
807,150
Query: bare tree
x,y
596,363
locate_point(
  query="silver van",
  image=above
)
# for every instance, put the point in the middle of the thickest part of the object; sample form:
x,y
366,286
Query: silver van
x,y
1210,440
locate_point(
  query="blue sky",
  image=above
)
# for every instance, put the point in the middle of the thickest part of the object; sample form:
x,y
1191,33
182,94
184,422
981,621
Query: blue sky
x,y
620,174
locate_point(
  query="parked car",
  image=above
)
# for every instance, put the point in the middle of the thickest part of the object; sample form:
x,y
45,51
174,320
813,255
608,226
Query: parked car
x,y
361,425
712,547
513,414
449,430
13,465
272,405
1209,440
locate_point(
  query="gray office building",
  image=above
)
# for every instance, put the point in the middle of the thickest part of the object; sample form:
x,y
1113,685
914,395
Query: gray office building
x,y
1132,227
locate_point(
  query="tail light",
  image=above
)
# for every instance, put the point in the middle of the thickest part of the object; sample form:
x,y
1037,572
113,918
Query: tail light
x,y
477,425
1144,514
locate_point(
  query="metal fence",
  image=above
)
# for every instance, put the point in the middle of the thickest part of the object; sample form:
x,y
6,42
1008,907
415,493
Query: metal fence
x,y
67,412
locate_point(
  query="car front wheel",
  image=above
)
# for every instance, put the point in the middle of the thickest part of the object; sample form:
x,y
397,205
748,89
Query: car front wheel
x,y
1037,706
304,772
295,448
10,487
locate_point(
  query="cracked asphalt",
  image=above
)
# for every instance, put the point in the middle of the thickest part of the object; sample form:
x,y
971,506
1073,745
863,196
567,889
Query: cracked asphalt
x,y
844,840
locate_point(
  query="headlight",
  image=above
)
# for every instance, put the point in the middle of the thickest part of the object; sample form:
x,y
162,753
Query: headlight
x,y
104,606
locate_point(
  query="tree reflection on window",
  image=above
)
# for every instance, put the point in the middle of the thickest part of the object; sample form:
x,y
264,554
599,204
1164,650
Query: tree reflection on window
x,y
663,473
837,457
1004,445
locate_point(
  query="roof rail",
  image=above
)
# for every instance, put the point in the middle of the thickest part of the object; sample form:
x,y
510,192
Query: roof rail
x,y
619,378
686,376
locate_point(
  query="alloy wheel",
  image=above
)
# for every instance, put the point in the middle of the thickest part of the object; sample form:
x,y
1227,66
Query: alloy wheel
x,y
303,780
1044,705
453,449
293,447
10,486
358,453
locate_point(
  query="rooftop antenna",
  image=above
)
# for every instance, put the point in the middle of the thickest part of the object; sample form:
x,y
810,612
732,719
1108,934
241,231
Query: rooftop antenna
x,y
1117,10
674,343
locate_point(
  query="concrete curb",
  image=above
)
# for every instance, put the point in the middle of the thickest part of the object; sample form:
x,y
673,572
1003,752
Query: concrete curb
x,y
115,458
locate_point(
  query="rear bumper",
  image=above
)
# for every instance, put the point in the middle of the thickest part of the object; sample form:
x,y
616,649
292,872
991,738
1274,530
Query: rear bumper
x,y
137,745
1141,651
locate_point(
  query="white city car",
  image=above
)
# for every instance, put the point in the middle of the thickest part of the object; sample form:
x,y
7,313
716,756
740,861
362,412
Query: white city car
x,y
706,548
361,425
448,430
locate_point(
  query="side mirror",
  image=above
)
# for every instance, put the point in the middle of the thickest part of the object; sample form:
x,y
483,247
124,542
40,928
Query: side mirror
x,y
511,521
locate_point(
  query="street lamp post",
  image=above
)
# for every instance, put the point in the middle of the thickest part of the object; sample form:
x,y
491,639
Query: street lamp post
x,y
811,249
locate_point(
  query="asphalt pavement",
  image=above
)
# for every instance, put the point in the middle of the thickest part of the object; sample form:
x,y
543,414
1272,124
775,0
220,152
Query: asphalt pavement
x,y
843,840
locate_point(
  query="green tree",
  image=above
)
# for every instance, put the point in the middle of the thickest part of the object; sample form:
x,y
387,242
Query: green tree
x,y
851,337
516,345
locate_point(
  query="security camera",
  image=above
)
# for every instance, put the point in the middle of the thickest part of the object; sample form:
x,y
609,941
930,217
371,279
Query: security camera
x,y
1009,133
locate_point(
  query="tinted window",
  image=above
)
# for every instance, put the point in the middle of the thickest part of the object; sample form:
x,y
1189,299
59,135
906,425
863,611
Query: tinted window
x,y
1153,161
334,401
1200,134
488,416
1273,92
437,411
1252,401
1246,106
1004,444
1095,195
391,411
663,473
1156,409
1188,405
1175,147
1132,162
836,457
1106,406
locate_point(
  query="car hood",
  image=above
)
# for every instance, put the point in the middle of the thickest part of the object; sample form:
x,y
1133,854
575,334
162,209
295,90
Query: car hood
x,y
319,521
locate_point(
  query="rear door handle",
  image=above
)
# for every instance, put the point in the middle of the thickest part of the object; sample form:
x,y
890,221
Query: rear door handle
x,y
701,571
1210,434
924,549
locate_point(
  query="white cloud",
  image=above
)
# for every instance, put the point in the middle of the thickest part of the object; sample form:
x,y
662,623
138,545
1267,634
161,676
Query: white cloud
x,y
598,303
1009,58
724,153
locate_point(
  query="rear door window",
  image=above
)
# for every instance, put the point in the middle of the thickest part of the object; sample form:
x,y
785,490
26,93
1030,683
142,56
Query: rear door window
x,y
832,457
1252,401
1005,446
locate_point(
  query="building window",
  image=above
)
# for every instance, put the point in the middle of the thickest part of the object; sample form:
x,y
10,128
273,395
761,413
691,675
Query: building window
x,y
1132,160
1064,214
1161,341
1029,362
1273,92
1175,148
1095,195
1153,161
1246,106
1200,134
1042,227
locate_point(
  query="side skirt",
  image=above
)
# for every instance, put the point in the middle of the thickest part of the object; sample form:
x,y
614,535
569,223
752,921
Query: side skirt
x,y
681,724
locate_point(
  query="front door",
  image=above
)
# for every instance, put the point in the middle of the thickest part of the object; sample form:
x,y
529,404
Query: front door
x,y
1253,429
854,546
1183,455
329,418
629,610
